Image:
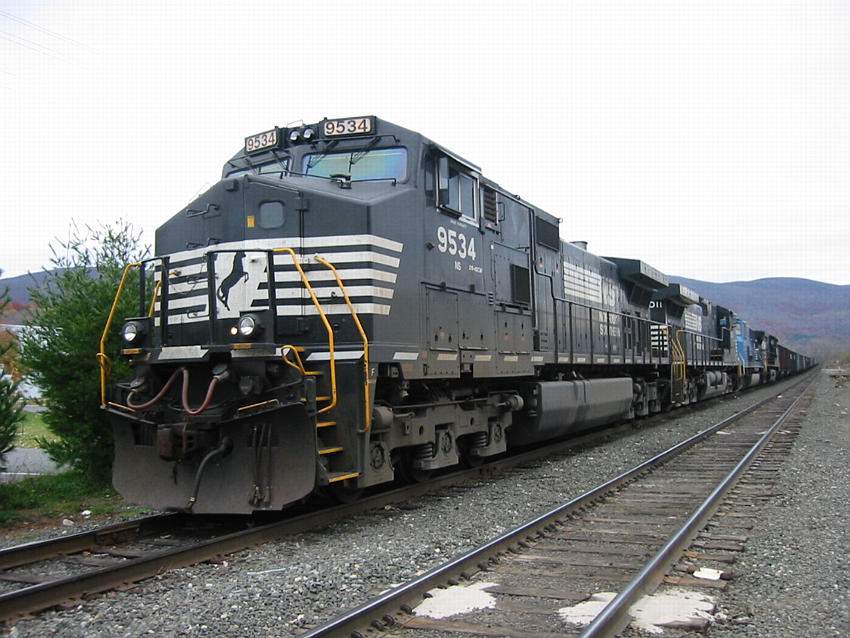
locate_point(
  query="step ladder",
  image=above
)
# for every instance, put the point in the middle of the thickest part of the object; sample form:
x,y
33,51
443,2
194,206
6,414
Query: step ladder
x,y
679,368
325,422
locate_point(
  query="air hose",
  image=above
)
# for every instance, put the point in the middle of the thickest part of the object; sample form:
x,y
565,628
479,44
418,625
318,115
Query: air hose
x,y
184,395
149,404
225,446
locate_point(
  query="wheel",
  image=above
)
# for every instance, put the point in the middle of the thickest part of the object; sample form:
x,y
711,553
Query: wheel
x,y
409,474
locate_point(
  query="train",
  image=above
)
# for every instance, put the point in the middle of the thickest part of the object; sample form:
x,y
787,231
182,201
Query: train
x,y
354,304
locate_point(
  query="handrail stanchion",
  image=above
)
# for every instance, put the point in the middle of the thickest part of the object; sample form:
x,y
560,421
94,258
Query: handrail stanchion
x,y
102,358
325,322
363,338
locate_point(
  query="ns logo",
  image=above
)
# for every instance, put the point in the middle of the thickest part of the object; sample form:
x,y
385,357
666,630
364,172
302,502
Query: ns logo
x,y
237,290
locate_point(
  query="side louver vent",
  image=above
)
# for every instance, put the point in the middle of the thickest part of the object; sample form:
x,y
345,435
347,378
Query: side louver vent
x,y
491,210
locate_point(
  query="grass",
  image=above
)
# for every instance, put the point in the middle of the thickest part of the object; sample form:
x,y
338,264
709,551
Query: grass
x,y
57,495
31,429
44,498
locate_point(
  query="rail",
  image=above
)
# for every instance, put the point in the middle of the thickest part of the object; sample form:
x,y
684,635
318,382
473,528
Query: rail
x,y
34,597
366,374
389,608
615,616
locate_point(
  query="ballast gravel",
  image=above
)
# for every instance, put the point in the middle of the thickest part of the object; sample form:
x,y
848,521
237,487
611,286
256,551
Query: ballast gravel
x,y
282,588
793,578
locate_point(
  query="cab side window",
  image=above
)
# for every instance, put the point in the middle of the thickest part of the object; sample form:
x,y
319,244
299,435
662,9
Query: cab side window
x,y
457,189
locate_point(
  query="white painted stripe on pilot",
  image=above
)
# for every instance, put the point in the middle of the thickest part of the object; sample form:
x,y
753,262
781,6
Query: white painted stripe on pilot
x,y
536,359
348,240
182,352
327,241
334,309
289,293
187,271
580,359
185,302
483,357
346,274
446,356
283,259
341,355
511,358
406,356
176,320
179,289
367,256
290,277
295,311
564,358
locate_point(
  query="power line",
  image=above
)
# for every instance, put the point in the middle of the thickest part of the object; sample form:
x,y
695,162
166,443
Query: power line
x,y
32,42
30,47
42,29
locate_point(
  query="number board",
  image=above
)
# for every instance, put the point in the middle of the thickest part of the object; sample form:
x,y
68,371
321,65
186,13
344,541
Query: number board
x,y
349,127
261,141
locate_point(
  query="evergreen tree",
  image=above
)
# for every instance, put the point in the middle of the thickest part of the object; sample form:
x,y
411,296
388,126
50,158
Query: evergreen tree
x,y
11,402
62,338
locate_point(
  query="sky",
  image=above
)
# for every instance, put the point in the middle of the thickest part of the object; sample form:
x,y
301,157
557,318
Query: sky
x,y
710,139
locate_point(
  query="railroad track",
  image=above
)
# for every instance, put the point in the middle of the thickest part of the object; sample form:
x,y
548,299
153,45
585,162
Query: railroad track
x,y
629,535
44,574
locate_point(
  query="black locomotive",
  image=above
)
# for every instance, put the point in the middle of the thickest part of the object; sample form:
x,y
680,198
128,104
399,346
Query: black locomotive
x,y
353,301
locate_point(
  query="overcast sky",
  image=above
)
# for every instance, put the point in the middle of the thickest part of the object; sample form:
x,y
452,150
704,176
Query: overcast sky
x,y
711,139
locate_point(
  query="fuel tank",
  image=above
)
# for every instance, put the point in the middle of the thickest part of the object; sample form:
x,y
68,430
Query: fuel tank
x,y
557,408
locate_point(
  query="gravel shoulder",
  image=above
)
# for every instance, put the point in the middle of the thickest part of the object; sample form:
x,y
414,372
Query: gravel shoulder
x,y
280,588
794,575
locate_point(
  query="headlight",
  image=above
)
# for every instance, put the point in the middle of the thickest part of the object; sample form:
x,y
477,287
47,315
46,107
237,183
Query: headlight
x,y
131,331
309,134
248,325
294,136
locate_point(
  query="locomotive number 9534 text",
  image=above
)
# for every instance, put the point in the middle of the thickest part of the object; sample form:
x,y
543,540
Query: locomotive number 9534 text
x,y
455,243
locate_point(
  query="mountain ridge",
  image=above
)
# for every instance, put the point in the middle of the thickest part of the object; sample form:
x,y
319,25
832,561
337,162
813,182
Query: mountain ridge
x,y
810,316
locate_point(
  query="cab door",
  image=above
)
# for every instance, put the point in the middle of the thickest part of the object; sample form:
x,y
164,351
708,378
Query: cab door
x,y
458,322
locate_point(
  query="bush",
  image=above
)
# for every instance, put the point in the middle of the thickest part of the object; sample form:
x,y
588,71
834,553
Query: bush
x,y
11,402
63,334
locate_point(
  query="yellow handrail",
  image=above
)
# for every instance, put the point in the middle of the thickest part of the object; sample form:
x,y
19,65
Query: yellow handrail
x,y
156,290
102,358
298,364
325,322
363,338
681,360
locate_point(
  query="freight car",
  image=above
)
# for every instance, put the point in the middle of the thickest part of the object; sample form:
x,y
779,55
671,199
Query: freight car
x,y
353,302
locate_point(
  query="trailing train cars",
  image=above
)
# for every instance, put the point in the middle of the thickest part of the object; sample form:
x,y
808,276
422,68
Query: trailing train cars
x,y
353,302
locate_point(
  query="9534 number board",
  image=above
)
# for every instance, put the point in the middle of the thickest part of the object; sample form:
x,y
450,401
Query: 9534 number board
x,y
348,127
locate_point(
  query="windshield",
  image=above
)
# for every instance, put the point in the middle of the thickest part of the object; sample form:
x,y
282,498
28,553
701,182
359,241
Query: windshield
x,y
382,163
272,168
